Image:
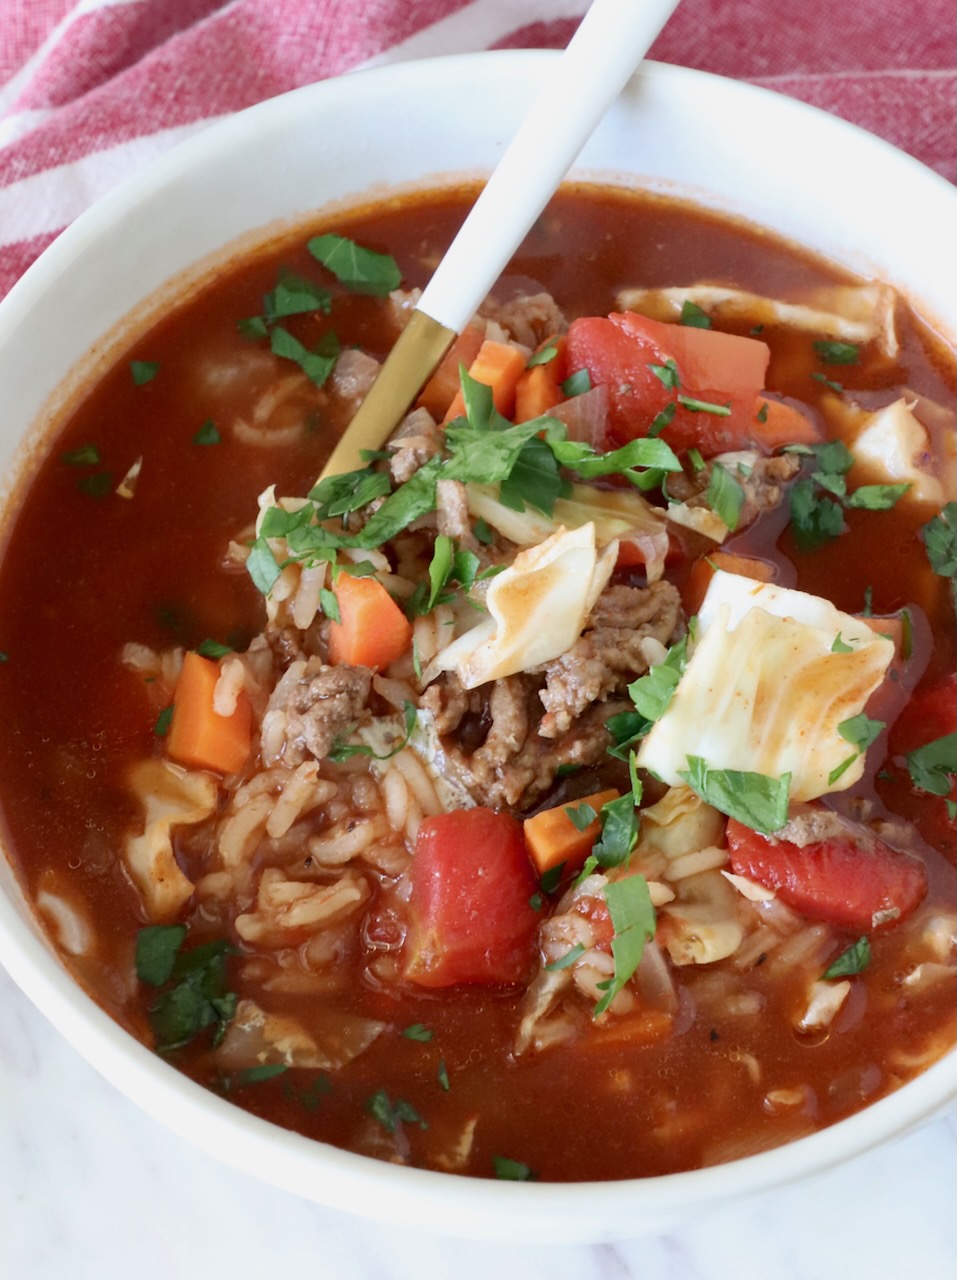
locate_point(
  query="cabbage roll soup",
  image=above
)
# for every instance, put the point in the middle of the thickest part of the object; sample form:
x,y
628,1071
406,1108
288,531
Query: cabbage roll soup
x,y
568,792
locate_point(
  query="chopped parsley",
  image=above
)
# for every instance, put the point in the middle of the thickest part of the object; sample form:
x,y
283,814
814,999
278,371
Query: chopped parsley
x,y
417,1031
316,364
213,649
692,315
725,496
391,1114
192,985
633,917
545,356
940,538
933,766
576,384
293,296
442,1075
344,750
163,722
855,959
836,352
860,731
143,371
581,816
96,485
254,1075
508,1170
619,831
359,269
651,693
754,799
818,500
87,455
207,434
567,960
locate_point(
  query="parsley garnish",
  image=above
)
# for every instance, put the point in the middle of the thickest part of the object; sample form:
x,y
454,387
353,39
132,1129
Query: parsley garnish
x,y
836,352
252,327
576,384
545,356
940,539
391,1114
359,269
416,1031
207,434
143,371
581,816
856,958
213,649
255,1075
754,799
163,722
316,364
692,315
818,501
860,731
344,751
508,1170
567,960
442,1075
633,917
839,645
195,981
725,496
619,831
651,693
933,765
88,455
293,296
97,485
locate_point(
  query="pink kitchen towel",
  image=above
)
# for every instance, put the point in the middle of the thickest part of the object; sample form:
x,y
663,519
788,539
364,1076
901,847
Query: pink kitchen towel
x,y
91,90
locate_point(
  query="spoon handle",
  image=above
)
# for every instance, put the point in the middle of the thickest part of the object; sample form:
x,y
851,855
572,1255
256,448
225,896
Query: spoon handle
x,y
607,46
609,43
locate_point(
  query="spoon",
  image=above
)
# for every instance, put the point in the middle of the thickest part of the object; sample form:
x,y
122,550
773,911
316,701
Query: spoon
x,y
609,43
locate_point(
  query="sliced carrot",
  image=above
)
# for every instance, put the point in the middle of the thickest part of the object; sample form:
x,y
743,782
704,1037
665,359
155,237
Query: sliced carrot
x,y
372,631
539,387
703,570
439,392
552,838
777,423
198,735
499,365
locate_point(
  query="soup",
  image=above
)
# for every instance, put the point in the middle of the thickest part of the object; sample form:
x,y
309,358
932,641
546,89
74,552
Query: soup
x,y
567,794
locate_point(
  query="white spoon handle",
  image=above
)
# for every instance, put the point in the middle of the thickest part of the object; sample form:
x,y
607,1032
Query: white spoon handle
x,y
603,53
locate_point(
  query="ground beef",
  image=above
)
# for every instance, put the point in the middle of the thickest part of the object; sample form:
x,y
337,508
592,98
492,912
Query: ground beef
x,y
353,375
416,439
529,319
610,651
762,484
452,511
311,706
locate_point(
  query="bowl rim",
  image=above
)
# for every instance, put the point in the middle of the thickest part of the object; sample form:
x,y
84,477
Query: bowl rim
x,y
334,1177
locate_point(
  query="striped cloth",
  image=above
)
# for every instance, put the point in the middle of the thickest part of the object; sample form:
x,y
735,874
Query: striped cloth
x,y
94,89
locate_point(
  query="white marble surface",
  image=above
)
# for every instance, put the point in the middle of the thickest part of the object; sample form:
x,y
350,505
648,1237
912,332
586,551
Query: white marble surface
x,y
92,1187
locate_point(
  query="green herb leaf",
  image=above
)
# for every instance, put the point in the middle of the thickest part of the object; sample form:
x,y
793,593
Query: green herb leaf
x,y
581,816
88,455
696,460
391,1114
855,959
329,604
754,799
534,479
725,496
157,946
199,998
662,419
940,539
842,768
652,693
545,356
97,485
839,646
814,519
933,765
207,434
213,649
252,327
877,497
633,917
576,384
359,269
442,1075
316,364
482,532
693,316
261,566
508,1170
619,831
417,1032
762,413
551,878
836,352
143,371
666,373
567,960
163,722
413,499
293,296
704,406
257,1074
860,731
828,382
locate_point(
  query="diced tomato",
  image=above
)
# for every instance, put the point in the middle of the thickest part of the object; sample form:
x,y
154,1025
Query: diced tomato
x,y
859,883
930,714
713,367
470,915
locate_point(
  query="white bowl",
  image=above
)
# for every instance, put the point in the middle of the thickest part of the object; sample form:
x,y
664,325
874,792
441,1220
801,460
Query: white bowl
x,y
815,179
